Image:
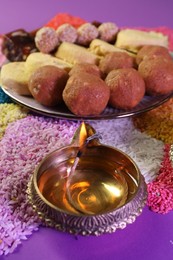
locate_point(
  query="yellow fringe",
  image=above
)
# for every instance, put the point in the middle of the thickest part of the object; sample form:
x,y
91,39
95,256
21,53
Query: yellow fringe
x,y
157,123
10,113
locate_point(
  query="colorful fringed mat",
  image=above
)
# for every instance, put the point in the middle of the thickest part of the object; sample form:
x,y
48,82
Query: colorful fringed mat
x,y
26,138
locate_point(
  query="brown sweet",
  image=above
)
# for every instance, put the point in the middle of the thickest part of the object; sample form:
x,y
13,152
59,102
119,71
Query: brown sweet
x,y
47,83
86,67
86,95
157,74
115,60
127,88
152,51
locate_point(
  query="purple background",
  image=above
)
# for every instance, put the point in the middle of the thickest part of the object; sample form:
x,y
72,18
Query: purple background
x,y
33,14
151,236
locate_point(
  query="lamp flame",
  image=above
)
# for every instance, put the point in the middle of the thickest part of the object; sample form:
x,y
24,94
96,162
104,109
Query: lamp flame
x,y
82,135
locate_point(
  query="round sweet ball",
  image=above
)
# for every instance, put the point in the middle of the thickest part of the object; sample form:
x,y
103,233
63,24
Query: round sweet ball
x,y
151,52
47,83
115,60
86,95
158,75
46,39
127,88
86,67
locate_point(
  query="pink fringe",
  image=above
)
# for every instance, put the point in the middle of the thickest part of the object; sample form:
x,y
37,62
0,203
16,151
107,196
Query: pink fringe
x,y
160,191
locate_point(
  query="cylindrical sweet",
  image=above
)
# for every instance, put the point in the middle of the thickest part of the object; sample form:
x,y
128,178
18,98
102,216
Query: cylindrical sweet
x,y
86,33
108,31
66,33
46,39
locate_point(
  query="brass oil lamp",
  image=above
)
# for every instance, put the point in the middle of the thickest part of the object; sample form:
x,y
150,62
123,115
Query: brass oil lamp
x,y
87,188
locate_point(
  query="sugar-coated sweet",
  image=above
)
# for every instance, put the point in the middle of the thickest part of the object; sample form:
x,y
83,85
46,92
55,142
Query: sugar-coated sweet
x,y
115,60
151,52
86,67
47,84
86,95
157,74
127,88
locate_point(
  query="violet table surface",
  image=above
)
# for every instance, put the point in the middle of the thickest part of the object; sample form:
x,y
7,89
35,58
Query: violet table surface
x,y
150,237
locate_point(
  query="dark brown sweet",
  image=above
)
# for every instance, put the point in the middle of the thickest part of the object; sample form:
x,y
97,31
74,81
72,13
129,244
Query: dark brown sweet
x,y
86,67
151,52
47,84
86,95
115,60
17,45
157,74
127,88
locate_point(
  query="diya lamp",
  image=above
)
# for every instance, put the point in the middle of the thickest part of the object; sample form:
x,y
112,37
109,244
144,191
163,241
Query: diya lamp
x,y
87,188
